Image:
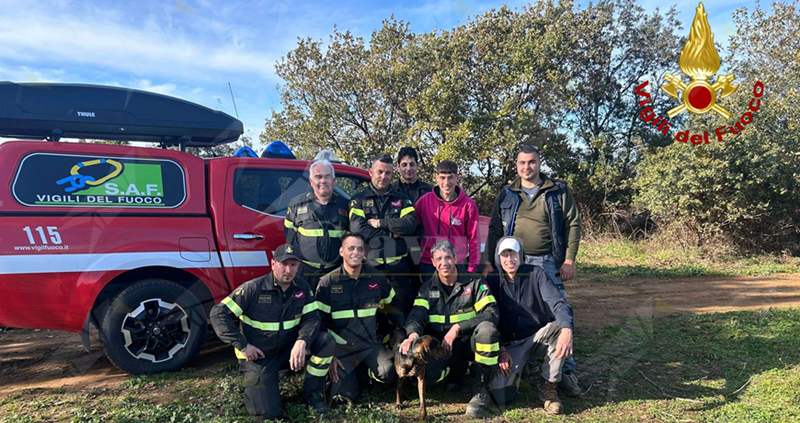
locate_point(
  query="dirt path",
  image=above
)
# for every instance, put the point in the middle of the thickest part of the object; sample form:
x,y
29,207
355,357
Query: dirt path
x,y
56,360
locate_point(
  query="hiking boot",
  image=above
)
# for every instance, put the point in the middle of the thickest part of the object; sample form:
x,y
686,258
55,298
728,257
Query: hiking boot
x,y
569,384
482,405
317,403
548,393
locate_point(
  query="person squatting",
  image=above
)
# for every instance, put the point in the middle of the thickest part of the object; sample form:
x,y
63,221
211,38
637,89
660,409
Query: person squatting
x,y
399,261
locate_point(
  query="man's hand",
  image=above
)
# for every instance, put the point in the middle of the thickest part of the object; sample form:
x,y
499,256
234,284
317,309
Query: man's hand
x,y
450,337
487,268
505,361
407,343
334,372
252,352
567,270
375,223
564,344
298,358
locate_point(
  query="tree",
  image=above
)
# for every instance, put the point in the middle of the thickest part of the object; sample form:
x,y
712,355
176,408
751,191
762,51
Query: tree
x,y
744,187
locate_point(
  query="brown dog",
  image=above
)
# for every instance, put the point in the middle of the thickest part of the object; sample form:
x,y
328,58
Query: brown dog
x,y
413,364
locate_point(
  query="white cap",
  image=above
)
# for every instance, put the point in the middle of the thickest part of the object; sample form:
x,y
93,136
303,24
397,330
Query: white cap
x,y
509,244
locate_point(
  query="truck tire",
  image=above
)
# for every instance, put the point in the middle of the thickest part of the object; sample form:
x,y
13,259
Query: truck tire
x,y
153,326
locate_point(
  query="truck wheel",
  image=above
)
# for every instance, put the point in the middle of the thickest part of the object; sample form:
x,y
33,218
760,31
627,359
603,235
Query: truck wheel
x,y
153,326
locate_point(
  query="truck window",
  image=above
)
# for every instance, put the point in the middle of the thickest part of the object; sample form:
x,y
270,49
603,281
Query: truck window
x,y
270,190
267,190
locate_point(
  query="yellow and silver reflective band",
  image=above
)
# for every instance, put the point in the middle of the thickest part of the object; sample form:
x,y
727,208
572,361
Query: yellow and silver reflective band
x,y
436,318
317,233
312,264
415,249
269,326
288,224
422,302
386,339
487,347
323,307
389,260
463,316
388,299
239,354
367,312
232,306
484,301
343,314
445,372
406,210
357,212
372,375
489,361
313,371
308,308
320,360
339,340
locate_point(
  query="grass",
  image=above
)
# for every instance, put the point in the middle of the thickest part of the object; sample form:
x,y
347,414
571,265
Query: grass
x,y
719,367
652,259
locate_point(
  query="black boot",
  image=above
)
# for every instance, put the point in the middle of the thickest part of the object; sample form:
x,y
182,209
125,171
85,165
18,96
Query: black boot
x,y
482,405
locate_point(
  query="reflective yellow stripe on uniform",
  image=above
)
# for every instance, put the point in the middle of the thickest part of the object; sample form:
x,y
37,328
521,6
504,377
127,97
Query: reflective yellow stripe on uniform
x,y
239,354
372,375
313,371
367,312
311,232
388,299
268,326
445,372
487,347
489,361
422,302
406,210
320,360
339,340
436,318
308,308
358,212
288,223
323,307
461,317
484,301
389,260
232,306
343,314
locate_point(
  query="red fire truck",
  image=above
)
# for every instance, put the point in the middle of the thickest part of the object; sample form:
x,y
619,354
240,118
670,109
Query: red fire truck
x,y
139,242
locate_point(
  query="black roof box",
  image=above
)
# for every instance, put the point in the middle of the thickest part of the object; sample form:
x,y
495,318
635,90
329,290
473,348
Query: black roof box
x,y
52,111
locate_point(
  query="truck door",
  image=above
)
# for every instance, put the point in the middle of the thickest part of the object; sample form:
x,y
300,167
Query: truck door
x,y
255,205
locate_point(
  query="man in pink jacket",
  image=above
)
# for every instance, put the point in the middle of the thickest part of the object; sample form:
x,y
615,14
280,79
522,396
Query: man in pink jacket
x,y
447,213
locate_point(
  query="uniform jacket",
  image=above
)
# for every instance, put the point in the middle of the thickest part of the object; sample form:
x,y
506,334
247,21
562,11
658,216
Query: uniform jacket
x,y
316,230
470,303
349,306
385,245
260,313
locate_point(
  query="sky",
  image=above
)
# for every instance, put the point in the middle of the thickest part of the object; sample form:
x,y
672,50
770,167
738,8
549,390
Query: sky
x,y
192,49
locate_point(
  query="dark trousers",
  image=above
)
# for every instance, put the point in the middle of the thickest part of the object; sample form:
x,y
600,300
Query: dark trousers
x,y
262,397
482,346
398,275
375,357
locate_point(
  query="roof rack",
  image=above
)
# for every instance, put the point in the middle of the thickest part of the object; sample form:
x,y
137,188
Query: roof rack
x,y
55,111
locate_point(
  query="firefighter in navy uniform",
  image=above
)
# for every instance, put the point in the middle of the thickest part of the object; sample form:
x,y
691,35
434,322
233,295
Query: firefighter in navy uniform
x,y
315,223
460,310
350,299
383,217
272,321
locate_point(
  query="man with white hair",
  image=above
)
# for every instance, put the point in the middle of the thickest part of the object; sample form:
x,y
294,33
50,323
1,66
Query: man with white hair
x,y
316,222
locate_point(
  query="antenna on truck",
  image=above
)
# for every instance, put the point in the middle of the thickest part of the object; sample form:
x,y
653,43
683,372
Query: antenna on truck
x,y
234,100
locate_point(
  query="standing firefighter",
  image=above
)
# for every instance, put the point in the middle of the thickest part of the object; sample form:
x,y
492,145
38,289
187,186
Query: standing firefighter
x,y
315,223
277,322
350,299
383,217
460,310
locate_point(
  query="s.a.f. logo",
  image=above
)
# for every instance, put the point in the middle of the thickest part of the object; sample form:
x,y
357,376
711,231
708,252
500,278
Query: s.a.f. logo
x,y
699,59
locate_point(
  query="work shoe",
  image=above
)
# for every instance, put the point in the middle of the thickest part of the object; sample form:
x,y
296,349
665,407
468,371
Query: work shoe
x,y
548,393
569,384
317,403
482,405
